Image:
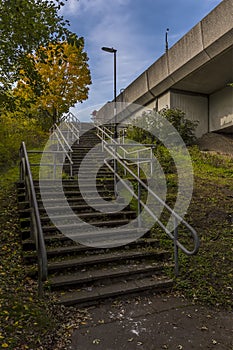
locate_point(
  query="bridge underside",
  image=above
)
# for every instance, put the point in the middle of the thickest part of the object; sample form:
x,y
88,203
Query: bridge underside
x,y
193,75
211,77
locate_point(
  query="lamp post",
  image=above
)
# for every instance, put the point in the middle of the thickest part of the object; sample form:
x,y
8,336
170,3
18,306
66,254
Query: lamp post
x,y
114,51
166,40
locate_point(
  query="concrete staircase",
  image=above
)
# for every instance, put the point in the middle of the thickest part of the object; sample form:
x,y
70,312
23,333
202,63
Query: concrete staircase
x,y
80,274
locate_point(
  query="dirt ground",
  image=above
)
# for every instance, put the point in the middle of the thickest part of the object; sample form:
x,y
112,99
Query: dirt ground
x,y
221,143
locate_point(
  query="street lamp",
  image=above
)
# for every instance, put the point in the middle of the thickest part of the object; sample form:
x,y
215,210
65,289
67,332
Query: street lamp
x,y
114,51
166,40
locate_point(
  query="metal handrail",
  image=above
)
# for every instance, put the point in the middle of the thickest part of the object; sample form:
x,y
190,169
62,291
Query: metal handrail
x,y
63,148
72,128
122,146
62,141
56,128
36,227
177,218
70,117
68,121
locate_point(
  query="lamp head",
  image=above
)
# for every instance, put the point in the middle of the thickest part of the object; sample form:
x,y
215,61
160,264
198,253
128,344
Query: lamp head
x,y
109,49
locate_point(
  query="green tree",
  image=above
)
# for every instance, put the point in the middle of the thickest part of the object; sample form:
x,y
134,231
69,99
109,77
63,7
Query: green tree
x,y
25,25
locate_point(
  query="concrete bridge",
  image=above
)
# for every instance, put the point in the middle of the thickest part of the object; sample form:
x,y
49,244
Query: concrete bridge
x,y
193,75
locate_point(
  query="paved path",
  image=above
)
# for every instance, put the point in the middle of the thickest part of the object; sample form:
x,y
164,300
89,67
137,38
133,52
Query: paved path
x,y
154,323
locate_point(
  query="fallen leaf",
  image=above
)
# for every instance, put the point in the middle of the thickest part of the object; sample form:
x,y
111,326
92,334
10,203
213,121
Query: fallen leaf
x,y
101,321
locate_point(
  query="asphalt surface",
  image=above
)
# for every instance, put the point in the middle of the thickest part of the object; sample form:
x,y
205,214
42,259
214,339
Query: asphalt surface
x,y
152,323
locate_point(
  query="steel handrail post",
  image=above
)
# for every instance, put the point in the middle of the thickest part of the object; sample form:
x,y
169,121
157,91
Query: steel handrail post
x,y
139,200
151,163
176,250
54,166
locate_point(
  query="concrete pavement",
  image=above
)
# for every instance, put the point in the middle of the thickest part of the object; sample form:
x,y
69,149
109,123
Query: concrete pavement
x,y
155,322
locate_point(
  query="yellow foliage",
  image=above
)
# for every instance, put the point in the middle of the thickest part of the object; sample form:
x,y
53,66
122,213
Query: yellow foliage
x,y
65,77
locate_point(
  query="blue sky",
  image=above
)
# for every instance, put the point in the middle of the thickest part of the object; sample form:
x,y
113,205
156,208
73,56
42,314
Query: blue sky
x,y
136,28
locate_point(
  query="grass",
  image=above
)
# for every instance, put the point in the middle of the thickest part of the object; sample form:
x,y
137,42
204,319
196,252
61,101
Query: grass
x,y
207,277
23,317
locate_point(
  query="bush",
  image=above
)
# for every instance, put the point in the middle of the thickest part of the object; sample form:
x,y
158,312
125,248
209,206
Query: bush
x,y
148,125
13,130
141,130
185,127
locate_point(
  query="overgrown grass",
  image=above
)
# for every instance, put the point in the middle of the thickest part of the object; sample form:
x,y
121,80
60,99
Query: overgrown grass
x,y
207,277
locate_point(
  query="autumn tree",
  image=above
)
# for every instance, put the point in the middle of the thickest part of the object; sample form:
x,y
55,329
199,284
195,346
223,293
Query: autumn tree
x,y
64,80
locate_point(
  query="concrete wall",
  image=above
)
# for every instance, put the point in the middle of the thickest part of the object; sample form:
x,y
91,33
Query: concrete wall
x,y
164,101
195,107
221,109
138,92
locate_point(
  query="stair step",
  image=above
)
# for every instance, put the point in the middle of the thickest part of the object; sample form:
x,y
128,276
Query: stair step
x,y
101,174
88,216
81,208
28,243
81,225
94,156
73,201
68,188
106,258
81,229
59,239
77,200
92,296
75,193
76,248
91,276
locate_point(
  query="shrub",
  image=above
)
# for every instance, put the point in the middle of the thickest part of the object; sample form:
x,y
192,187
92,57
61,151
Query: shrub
x,y
13,130
185,127
148,125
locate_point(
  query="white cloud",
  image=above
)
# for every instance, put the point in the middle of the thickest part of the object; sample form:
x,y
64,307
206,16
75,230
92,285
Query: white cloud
x,y
121,32
110,24
92,6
